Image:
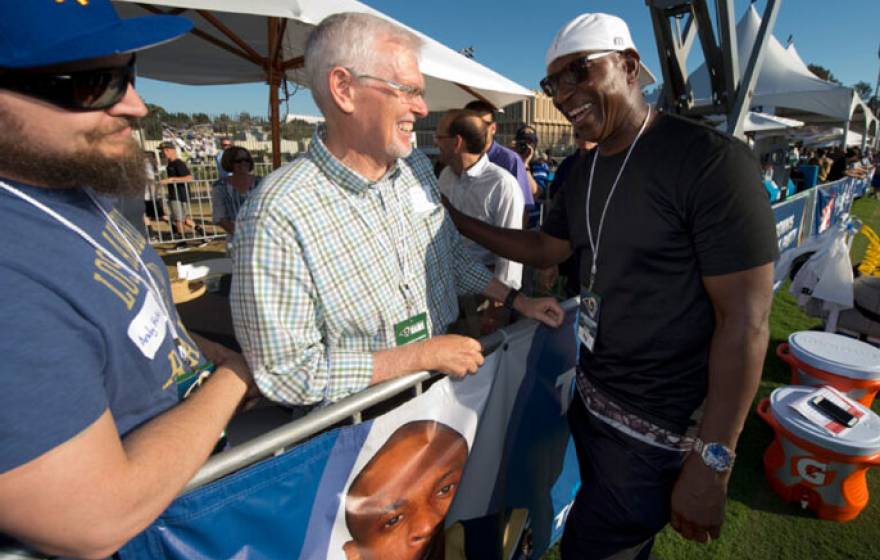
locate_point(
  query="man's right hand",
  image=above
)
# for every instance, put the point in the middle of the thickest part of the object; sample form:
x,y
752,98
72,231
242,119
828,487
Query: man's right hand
x,y
452,354
227,358
235,363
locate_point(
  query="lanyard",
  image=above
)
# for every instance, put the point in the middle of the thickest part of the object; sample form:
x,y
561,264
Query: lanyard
x,y
150,283
594,246
400,245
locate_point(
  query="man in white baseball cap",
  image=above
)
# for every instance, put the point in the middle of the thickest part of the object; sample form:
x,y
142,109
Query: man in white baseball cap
x,y
676,242
592,33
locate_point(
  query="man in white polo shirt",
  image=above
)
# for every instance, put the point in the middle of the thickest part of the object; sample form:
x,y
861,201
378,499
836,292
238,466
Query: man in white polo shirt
x,y
482,190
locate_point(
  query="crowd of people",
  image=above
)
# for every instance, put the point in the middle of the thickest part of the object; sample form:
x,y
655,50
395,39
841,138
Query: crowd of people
x,y
808,167
349,268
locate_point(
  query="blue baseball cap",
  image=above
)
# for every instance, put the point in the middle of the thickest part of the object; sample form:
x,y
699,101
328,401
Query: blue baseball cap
x,y
36,33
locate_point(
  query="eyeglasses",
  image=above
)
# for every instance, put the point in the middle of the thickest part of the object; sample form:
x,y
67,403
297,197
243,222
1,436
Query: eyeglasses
x,y
575,72
410,93
81,90
241,160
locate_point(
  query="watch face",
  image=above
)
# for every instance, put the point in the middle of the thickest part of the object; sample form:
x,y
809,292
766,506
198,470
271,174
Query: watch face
x,y
716,457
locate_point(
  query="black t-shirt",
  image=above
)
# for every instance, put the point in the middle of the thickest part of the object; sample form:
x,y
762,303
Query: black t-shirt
x,y
570,267
689,204
177,191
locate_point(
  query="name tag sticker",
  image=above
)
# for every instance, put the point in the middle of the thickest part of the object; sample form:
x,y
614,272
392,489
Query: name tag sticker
x,y
420,201
411,330
147,330
588,319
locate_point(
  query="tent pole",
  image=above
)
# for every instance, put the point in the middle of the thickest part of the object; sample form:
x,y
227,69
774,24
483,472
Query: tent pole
x,y
276,124
737,113
274,80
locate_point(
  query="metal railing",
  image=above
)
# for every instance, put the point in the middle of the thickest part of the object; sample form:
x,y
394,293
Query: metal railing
x,y
278,440
197,227
275,442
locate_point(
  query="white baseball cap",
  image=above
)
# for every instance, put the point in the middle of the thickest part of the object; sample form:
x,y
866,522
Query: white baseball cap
x,y
596,32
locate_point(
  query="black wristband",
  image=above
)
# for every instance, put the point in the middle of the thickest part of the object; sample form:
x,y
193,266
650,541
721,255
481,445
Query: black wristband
x,y
511,297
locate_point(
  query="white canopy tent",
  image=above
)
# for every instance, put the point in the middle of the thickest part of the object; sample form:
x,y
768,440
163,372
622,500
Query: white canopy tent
x,y
263,41
824,136
760,122
785,82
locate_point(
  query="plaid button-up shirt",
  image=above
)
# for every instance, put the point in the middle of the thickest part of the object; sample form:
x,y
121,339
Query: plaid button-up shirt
x,y
327,262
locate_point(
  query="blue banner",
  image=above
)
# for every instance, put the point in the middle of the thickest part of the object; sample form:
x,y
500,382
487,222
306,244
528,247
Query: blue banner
x,y
860,187
794,220
524,462
259,513
405,483
833,200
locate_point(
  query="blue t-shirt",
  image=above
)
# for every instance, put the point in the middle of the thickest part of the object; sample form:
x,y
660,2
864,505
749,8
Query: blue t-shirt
x,y
67,308
541,173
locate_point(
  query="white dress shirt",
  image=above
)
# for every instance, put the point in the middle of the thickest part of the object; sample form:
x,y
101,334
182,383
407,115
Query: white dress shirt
x,y
490,194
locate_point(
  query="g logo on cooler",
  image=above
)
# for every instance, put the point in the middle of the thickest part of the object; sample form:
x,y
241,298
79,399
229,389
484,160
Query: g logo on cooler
x,y
812,471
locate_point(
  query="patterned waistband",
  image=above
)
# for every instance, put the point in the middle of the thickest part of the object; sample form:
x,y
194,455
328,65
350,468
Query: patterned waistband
x,y
608,411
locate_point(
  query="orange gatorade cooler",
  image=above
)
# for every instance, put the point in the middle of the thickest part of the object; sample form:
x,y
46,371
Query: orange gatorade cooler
x,y
807,464
823,358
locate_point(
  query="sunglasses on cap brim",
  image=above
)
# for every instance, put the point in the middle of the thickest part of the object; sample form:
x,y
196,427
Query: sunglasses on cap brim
x,y
79,90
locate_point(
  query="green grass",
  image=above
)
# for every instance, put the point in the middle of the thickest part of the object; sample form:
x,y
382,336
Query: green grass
x,y
758,524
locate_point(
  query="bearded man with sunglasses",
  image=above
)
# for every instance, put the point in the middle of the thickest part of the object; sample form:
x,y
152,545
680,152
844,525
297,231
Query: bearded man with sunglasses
x,y
676,241
95,437
347,269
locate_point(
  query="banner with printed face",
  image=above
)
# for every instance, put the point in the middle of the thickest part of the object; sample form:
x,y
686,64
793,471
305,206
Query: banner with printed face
x,y
403,485
404,477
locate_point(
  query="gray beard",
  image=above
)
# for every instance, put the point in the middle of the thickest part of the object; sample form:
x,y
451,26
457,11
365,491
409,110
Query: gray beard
x,y
28,162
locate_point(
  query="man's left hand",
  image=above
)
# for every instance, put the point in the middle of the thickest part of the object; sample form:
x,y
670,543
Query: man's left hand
x,y
698,500
544,309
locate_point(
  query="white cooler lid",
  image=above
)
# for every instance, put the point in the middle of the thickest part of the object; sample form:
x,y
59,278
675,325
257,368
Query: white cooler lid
x,y
861,439
837,354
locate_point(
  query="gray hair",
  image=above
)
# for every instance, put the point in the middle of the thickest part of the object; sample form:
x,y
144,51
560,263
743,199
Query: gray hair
x,y
349,39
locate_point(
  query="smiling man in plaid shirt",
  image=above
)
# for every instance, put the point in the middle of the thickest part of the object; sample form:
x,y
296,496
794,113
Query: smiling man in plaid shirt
x,y
347,266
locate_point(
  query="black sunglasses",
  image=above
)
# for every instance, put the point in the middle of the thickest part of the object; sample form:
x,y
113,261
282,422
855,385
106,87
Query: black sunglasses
x,y
575,72
79,90
242,160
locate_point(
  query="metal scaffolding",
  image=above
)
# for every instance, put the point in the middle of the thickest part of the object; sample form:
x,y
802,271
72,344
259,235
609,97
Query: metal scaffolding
x,y
677,23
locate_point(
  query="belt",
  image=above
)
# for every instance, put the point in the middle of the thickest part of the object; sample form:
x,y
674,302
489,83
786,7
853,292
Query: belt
x,y
608,411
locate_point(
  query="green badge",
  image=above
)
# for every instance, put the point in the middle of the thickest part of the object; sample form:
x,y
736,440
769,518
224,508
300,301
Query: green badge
x,y
411,330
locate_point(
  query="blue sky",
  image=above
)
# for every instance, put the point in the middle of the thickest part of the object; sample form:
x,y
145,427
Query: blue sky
x,y
511,37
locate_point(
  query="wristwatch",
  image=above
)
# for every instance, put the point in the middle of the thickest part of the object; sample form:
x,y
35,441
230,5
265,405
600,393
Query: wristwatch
x,y
716,456
511,297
